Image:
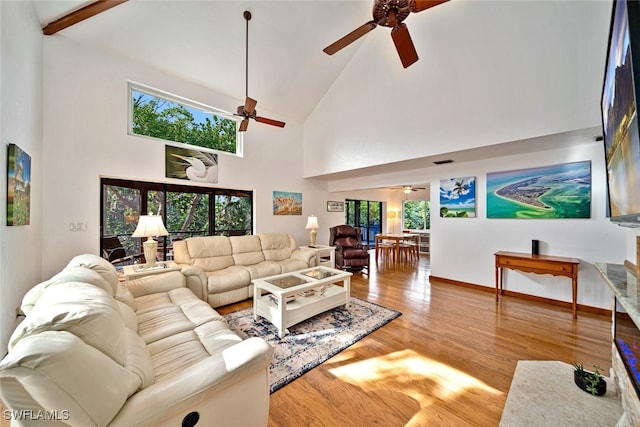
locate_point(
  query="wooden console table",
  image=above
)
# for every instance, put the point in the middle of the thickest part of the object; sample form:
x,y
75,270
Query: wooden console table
x,y
539,264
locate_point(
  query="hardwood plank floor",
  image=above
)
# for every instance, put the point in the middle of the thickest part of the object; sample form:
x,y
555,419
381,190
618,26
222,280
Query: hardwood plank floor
x,y
447,361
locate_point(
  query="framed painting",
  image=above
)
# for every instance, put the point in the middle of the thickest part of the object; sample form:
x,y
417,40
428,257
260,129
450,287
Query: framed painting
x,y
458,197
335,206
287,203
557,191
18,186
192,165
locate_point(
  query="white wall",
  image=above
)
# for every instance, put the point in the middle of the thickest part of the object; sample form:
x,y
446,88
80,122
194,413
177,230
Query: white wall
x,y
489,72
20,123
85,124
462,248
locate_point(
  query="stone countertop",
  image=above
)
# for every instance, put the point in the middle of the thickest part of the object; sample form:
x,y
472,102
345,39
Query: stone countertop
x,y
624,284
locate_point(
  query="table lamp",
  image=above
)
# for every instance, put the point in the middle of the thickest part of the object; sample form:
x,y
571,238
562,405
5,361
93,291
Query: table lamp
x,y
149,226
312,223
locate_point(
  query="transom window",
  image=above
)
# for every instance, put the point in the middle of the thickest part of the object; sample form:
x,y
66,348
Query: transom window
x,y
157,114
186,211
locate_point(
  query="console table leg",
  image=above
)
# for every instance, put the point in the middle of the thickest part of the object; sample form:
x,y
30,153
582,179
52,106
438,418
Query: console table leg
x,y
574,286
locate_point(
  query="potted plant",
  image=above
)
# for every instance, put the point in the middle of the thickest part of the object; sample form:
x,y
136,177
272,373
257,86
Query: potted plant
x,y
591,382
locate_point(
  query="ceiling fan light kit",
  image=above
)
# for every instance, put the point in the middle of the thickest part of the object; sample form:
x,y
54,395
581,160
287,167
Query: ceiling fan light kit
x,y
248,110
390,13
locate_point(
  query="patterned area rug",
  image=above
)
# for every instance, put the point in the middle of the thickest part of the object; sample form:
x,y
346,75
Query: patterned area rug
x,y
315,340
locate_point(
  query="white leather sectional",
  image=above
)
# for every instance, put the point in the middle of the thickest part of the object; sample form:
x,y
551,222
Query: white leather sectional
x,y
231,263
92,352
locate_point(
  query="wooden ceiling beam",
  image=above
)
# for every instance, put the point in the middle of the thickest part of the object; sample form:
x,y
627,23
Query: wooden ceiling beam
x,y
79,15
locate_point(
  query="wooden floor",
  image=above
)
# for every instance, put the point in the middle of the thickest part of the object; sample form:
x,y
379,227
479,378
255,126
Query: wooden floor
x,y
447,361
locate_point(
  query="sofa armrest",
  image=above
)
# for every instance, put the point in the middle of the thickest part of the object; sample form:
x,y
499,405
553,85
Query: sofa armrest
x,y
196,281
303,255
162,282
218,388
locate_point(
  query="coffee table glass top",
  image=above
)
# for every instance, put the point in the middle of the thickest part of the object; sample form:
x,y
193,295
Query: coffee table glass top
x,y
319,274
287,281
302,277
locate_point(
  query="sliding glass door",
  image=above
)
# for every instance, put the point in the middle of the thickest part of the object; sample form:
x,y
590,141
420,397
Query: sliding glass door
x,y
366,215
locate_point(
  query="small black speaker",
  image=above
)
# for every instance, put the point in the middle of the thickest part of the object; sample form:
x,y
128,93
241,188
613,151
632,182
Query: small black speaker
x,y
535,247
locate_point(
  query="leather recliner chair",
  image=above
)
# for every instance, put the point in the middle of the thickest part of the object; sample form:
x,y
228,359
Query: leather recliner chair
x,y
351,253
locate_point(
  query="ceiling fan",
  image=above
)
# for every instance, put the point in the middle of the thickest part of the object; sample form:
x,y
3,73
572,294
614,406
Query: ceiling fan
x,y
406,189
389,13
248,110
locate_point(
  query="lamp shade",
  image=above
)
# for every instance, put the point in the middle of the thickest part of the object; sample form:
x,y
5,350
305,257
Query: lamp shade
x,y
150,225
312,222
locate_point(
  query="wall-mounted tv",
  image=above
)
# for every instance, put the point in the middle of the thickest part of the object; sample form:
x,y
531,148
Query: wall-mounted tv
x,y
619,113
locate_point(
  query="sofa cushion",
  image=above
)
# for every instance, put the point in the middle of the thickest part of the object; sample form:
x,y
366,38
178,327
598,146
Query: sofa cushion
x,y
216,336
128,316
138,359
60,372
176,352
210,252
246,250
289,265
276,246
264,269
84,310
98,264
228,279
168,313
123,294
162,322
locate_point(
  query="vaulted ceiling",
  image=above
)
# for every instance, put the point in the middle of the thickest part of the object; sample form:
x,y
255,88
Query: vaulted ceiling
x,y
204,42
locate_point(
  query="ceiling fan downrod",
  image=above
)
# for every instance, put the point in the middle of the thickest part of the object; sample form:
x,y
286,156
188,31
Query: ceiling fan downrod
x,y
247,18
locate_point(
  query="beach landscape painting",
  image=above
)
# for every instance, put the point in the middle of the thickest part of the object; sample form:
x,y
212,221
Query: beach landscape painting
x,y
458,197
558,191
287,203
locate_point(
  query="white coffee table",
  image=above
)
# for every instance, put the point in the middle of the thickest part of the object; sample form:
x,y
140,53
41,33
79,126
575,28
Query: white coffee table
x,y
307,292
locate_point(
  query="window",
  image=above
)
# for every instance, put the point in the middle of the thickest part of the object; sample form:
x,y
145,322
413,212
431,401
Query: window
x,y
158,114
186,211
366,215
416,215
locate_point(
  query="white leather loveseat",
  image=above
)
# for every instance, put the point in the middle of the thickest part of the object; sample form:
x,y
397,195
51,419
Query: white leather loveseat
x,y
92,352
231,263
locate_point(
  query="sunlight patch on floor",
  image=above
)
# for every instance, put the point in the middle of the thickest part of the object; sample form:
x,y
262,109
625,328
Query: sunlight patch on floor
x,y
414,375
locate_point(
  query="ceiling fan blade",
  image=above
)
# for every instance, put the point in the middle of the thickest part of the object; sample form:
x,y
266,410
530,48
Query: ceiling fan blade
x,y
349,38
249,105
404,45
420,5
244,124
270,121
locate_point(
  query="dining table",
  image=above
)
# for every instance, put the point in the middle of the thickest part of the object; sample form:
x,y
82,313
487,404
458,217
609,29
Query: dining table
x,y
397,238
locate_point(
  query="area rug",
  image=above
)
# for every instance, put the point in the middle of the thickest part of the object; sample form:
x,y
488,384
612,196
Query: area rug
x,y
315,340
542,394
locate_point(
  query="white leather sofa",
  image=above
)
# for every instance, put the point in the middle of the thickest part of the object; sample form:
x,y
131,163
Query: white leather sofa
x,y
92,352
231,263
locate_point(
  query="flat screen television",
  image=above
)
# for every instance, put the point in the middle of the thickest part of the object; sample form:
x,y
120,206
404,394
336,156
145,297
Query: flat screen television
x,y
619,113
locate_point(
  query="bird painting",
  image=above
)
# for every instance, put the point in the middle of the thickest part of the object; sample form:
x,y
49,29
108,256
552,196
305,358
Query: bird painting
x,y
192,165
